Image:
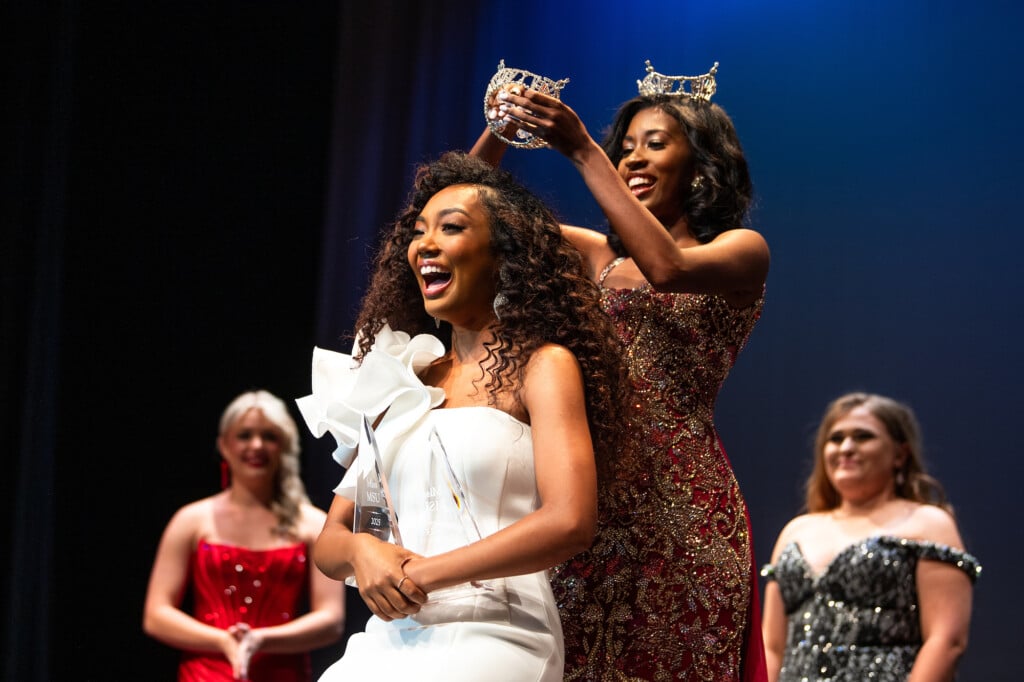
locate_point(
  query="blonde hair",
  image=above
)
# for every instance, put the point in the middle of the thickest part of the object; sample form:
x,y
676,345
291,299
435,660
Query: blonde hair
x,y
289,491
901,424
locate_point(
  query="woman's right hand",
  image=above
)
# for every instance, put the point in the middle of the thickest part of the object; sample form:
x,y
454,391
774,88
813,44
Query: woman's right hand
x,y
378,571
548,118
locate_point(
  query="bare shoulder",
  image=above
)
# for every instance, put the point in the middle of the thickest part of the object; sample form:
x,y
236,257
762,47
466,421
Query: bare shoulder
x,y
584,237
593,245
311,522
744,234
805,523
195,513
745,243
935,524
801,530
552,357
188,522
552,379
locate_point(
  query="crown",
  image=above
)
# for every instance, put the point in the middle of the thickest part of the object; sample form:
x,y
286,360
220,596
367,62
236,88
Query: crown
x,y
505,76
700,87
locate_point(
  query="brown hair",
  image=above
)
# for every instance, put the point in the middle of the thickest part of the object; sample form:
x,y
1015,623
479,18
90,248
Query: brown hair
x,y
901,424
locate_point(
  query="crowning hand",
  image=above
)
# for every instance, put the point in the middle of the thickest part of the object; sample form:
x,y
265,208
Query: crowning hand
x,y
546,117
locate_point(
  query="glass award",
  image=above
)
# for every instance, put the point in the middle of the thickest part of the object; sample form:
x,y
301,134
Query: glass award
x,y
452,524
374,511
470,530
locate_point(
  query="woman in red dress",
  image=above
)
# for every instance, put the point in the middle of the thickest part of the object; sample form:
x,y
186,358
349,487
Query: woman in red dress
x,y
259,604
668,590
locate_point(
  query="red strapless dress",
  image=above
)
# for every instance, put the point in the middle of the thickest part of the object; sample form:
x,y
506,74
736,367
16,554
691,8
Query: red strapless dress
x,y
259,587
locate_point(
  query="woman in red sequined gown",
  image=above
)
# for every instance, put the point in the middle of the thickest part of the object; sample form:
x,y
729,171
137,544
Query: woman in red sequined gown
x,y
259,605
668,590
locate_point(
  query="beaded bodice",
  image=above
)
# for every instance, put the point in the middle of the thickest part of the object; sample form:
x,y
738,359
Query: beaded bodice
x,y
231,585
664,591
259,587
858,619
679,349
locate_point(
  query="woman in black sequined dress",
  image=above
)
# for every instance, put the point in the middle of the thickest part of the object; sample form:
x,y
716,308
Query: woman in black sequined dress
x,y
873,583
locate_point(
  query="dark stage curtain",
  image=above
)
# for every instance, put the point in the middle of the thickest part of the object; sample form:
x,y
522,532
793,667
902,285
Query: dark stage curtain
x,y
37,82
405,73
162,179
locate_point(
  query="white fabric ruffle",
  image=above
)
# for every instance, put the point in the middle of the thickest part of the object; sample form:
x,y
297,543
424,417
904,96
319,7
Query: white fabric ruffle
x,y
387,382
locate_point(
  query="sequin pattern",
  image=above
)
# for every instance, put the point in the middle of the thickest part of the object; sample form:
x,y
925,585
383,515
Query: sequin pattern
x,y
259,587
664,591
858,620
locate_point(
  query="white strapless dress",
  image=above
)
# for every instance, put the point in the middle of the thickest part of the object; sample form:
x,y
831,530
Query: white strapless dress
x,y
508,630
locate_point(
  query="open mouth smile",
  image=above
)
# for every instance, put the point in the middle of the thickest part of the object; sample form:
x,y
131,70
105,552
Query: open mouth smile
x,y
640,184
435,280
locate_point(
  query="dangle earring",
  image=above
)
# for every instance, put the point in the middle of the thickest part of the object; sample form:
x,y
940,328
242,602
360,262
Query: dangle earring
x,y
900,479
437,323
500,301
697,182
225,474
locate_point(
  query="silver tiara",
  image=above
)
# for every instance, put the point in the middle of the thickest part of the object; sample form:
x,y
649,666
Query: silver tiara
x,y
694,87
506,76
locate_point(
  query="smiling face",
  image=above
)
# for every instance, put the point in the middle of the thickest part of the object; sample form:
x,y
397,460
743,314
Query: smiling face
x,y
656,163
450,255
860,456
252,446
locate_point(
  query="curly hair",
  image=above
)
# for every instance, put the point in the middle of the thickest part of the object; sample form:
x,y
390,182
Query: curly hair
x,y
722,201
289,491
549,297
901,424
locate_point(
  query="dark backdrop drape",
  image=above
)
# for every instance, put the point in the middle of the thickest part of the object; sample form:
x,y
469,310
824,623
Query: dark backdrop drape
x,y
191,194
163,199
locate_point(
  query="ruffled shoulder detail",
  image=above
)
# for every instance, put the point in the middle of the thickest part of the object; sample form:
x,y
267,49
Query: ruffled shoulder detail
x,y
386,383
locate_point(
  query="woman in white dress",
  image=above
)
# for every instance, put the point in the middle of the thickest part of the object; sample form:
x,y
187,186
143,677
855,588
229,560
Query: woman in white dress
x,y
481,326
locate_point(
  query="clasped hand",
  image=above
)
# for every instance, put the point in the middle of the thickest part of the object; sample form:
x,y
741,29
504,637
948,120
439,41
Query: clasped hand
x,y
242,643
381,571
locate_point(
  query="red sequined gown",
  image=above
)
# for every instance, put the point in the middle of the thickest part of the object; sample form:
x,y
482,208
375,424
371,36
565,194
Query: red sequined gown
x,y
259,587
668,590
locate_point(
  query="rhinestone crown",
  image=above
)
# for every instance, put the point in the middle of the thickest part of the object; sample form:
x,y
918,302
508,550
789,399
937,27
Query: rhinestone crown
x,y
695,87
506,76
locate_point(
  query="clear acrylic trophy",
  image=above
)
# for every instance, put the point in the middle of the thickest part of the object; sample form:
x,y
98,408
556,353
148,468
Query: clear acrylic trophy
x,y
374,511
445,522
452,523
440,460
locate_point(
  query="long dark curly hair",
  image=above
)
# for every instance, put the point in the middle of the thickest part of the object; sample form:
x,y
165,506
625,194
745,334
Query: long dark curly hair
x,y
549,297
722,201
